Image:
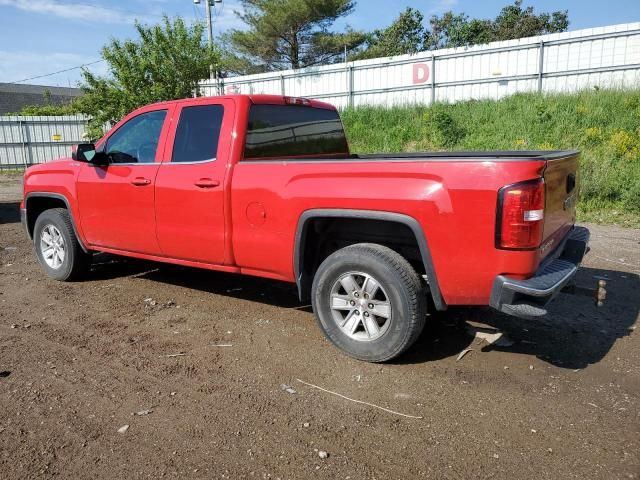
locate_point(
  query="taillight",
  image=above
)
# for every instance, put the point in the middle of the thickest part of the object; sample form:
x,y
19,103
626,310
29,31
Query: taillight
x,y
520,215
305,102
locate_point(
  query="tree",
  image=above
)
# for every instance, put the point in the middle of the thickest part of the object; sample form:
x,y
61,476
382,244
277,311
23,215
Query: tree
x,y
166,62
289,34
49,110
517,22
451,30
405,35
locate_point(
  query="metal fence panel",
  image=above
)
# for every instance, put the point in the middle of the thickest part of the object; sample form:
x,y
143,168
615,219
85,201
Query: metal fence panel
x,y
27,140
561,62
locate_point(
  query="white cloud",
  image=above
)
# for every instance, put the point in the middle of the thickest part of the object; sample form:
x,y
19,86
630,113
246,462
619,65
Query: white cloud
x,y
442,6
74,11
224,17
19,65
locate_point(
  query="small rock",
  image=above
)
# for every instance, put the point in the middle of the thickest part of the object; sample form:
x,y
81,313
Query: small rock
x,y
530,367
550,450
13,325
288,389
123,429
533,430
322,454
142,413
28,325
173,394
495,455
306,424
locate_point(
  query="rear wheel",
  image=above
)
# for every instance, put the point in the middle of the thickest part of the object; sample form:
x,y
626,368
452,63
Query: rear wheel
x,y
369,302
57,248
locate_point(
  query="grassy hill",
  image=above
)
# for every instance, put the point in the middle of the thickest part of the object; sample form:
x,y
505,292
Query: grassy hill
x,y
603,124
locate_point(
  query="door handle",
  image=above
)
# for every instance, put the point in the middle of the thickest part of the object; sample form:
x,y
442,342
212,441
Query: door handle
x,y
206,183
140,181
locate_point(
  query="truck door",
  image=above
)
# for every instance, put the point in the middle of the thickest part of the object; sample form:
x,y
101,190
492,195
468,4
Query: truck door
x,y
116,201
190,210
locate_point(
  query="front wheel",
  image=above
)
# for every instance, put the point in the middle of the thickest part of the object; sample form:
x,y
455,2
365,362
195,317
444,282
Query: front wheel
x,y
369,302
59,252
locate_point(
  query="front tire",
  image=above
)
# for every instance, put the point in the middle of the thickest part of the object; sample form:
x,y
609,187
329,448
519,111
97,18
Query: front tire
x,y
57,248
369,302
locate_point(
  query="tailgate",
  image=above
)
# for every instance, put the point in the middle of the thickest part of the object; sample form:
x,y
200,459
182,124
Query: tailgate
x,y
561,180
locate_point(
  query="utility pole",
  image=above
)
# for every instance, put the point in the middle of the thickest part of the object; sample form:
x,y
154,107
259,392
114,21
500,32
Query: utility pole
x,y
207,7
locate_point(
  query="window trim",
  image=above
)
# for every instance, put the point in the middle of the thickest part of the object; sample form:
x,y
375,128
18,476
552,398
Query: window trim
x,y
173,146
105,144
199,162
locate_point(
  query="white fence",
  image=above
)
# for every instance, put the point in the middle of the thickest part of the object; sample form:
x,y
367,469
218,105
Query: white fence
x,y
25,140
561,62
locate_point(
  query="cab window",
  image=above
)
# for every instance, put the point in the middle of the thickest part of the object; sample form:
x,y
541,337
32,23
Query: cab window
x,y
137,140
198,133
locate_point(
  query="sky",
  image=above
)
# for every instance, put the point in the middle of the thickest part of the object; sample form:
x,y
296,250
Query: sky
x,y
39,37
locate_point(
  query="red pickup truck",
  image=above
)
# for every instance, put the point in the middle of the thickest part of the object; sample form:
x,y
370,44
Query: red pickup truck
x,y
265,185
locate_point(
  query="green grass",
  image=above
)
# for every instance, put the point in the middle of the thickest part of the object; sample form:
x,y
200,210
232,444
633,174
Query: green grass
x,y
11,172
603,124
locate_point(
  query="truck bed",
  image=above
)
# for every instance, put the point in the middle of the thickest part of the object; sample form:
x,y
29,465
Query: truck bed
x,y
502,155
461,156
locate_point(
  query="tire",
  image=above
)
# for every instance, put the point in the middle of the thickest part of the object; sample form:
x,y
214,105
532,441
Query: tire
x,y
54,230
399,302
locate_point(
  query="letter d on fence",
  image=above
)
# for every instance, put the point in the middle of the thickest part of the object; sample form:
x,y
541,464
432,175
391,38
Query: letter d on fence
x,y
420,73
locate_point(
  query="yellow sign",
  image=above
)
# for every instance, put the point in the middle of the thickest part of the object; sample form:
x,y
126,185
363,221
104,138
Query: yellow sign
x,y
56,137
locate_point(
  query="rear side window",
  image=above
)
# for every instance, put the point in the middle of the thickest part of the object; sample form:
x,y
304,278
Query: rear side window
x,y
198,133
277,131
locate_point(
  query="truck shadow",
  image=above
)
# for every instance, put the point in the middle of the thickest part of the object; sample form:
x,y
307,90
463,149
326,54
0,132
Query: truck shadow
x,y
253,289
574,335
9,212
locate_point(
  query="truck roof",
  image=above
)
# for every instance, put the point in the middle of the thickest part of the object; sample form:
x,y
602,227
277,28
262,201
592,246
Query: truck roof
x,y
256,99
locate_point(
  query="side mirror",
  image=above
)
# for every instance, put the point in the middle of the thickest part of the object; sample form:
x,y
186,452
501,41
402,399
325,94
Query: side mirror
x,y
83,152
86,152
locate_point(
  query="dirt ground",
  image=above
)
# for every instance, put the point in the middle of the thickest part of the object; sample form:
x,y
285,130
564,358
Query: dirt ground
x,y
79,359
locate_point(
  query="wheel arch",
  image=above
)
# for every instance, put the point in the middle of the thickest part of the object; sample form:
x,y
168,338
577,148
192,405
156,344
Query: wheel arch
x,y
37,202
304,277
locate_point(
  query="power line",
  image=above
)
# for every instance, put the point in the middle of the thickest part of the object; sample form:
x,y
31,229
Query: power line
x,y
97,61
59,71
197,12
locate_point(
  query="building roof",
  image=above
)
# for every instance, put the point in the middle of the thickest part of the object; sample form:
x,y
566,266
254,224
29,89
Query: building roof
x,y
15,96
39,89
